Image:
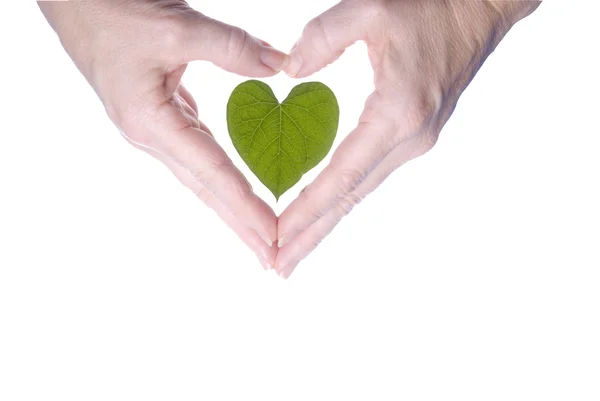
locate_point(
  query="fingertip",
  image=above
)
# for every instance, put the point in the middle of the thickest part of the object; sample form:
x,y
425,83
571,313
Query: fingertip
x,y
289,225
295,64
286,237
285,263
286,273
265,238
266,255
269,241
265,264
283,240
273,58
284,270
265,222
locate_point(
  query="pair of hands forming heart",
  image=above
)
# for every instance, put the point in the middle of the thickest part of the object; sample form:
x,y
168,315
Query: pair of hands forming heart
x,y
423,53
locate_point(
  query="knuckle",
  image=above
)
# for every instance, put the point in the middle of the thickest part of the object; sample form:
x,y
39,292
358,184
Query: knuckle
x,y
240,189
309,245
348,203
314,213
396,126
311,209
202,193
347,181
354,199
379,7
170,33
427,141
314,27
236,45
220,168
418,120
421,111
315,243
317,33
211,169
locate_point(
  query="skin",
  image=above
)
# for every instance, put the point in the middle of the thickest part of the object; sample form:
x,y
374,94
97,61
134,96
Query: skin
x,y
134,53
424,53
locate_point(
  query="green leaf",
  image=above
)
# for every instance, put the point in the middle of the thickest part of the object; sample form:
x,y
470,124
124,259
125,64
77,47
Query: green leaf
x,y
280,142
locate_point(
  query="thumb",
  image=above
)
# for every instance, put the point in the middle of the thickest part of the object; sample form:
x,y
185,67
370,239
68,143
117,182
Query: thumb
x,y
325,38
230,48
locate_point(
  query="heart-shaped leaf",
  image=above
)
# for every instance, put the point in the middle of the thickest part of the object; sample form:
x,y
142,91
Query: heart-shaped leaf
x,y
280,142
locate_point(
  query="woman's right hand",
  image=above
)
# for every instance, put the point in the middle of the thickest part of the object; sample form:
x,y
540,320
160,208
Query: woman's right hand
x,y
134,53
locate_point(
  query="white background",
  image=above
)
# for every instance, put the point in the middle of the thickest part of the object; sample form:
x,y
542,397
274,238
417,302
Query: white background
x,y
473,273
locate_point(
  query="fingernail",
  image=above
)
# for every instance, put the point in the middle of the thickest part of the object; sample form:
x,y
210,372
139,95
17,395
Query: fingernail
x,y
266,265
264,257
273,59
285,273
266,239
295,64
283,240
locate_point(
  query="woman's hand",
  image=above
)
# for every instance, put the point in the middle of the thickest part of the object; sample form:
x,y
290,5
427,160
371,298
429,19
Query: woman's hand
x,y
134,53
424,53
